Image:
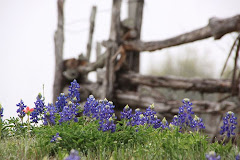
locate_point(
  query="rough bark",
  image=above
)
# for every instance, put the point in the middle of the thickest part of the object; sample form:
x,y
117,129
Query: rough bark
x,y
163,106
91,30
109,80
59,40
216,28
135,12
194,84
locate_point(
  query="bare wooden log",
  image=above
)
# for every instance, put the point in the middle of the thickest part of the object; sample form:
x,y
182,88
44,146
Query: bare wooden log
x,y
194,84
162,106
216,28
59,40
91,30
110,77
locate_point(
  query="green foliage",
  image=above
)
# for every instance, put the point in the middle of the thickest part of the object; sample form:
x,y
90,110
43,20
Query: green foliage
x,y
125,143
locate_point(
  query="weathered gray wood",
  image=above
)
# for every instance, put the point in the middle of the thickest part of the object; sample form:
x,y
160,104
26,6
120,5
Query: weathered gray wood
x,y
59,40
110,77
93,66
194,84
135,99
91,30
216,28
135,13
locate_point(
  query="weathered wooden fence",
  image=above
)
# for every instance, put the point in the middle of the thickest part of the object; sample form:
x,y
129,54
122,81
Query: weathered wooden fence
x,y
118,77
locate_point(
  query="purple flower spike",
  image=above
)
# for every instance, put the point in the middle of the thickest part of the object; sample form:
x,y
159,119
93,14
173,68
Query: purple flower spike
x,y
229,124
73,155
212,156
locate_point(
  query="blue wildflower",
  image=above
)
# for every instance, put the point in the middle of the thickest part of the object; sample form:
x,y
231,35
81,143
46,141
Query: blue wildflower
x,y
197,123
149,114
38,109
74,91
136,119
185,119
108,124
49,115
68,113
212,156
164,123
56,138
73,155
61,102
127,113
229,124
238,156
91,107
106,110
20,111
1,111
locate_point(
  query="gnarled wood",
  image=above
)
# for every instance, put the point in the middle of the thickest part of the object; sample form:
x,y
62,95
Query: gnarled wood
x,y
194,84
216,28
59,40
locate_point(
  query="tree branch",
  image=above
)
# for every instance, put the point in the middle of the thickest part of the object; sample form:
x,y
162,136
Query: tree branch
x,y
216,28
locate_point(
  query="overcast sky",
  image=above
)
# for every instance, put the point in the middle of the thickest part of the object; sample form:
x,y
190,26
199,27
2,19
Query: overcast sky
x,y
27,46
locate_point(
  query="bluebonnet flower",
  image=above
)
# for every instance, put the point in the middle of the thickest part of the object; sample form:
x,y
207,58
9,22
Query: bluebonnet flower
x,y
1,111
38,109
212,156
61,102
20,111
73,155
108,124
106,110
49,115
56,138
90,107
164,123
197,123
185,113
127,113
229,124
238,156
185,118
149,114
74,91
137,119
69,112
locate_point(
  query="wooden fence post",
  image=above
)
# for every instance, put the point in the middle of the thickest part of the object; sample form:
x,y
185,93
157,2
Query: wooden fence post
x,y
114,37
135,12
59,40
91,30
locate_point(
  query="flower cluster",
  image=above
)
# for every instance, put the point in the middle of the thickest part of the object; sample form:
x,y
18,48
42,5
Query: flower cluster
x,y
148,117
127,113
69,112
103,111
73,155
1,111
185,119
61,102
212,156
74,91
38,109
229,124
237,157
20,109
56,138
49,115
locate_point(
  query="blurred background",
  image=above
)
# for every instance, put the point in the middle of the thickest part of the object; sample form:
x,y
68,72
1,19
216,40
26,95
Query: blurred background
x,y
27,46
